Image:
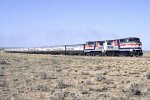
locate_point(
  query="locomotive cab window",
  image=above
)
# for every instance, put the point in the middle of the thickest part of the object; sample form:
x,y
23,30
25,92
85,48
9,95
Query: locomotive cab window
x,y
101,43
131,40
123,40
90,43
134,40
109,43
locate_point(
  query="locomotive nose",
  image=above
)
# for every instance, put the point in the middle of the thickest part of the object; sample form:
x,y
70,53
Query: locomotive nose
x,y
140,44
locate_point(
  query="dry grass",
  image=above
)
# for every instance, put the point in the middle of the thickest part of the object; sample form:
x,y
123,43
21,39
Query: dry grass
x,y
47,77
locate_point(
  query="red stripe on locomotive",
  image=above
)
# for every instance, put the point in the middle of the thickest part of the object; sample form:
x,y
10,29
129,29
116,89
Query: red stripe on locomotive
x,y
115,43
131,44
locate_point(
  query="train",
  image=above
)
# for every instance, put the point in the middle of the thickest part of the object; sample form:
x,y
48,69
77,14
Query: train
x,y
130,46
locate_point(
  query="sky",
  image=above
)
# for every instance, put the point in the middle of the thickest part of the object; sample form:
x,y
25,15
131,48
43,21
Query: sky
x,y
35,23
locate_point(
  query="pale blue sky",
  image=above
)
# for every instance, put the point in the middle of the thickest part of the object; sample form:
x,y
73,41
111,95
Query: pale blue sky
x,y
33,23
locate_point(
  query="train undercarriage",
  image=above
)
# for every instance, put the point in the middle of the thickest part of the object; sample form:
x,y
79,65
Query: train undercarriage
x,y
115,53
91,53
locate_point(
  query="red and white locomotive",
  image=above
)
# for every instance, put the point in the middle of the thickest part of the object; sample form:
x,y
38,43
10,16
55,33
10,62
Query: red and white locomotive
x,y
127,46
131,46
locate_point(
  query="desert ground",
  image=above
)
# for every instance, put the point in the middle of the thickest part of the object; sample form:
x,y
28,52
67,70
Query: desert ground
x,y
60,77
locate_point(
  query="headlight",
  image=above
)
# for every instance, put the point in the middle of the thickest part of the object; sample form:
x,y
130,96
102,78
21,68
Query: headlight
x,y
131,49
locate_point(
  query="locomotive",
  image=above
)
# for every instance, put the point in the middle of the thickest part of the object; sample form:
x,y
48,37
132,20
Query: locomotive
x,y
130,46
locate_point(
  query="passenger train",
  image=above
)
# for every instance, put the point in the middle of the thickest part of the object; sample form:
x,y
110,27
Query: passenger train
x,y
131,46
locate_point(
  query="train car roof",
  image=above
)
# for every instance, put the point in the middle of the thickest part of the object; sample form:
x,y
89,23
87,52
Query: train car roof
x,y
74,44
66,45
